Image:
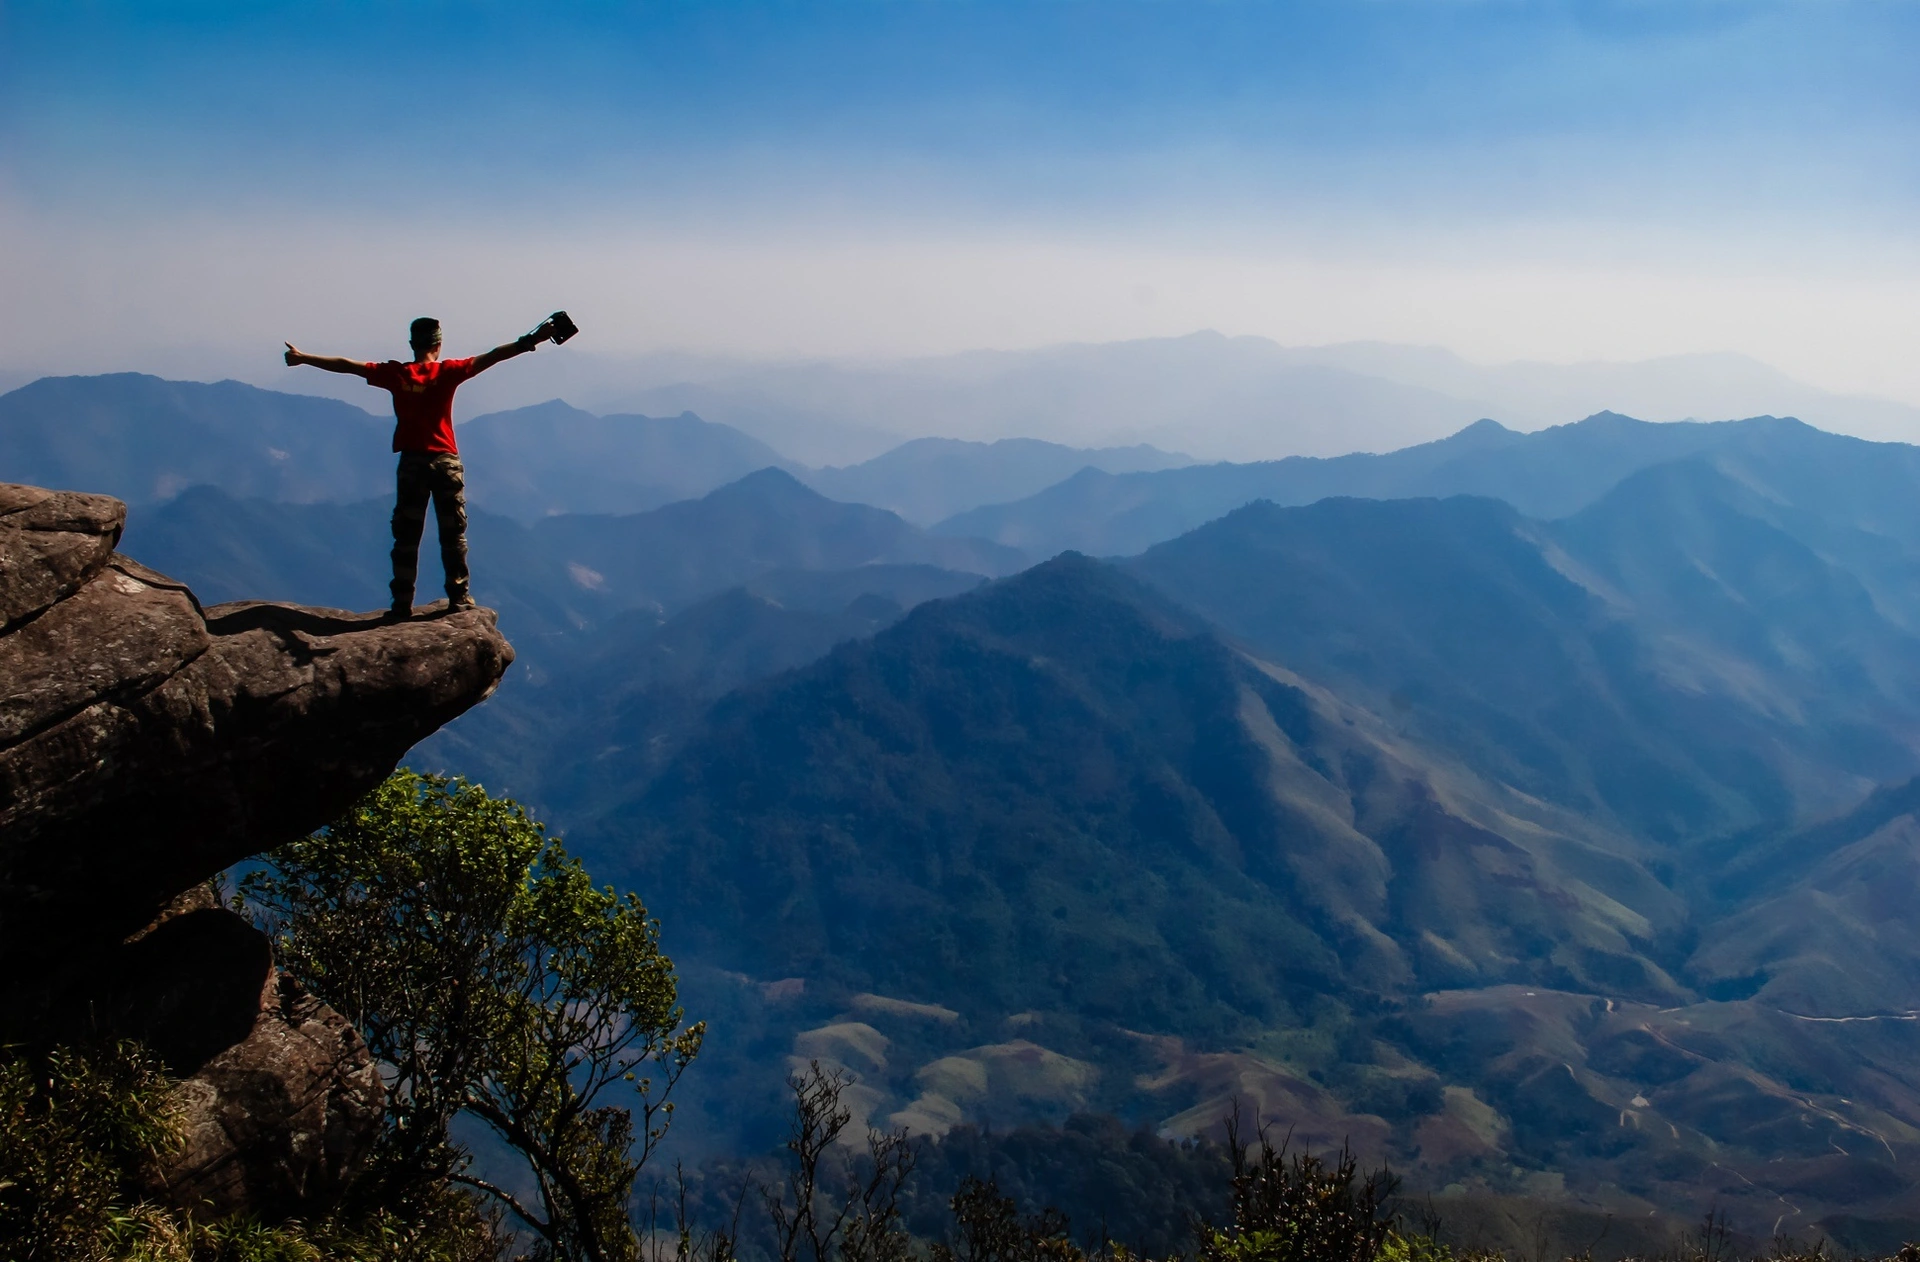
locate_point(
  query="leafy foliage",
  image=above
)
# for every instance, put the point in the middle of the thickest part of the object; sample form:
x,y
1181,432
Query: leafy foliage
x,y
148,1233
75,1126
1300,1208
492,978
80,1127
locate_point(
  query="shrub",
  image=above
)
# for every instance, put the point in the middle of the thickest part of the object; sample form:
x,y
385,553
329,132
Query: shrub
x,y
1301,1208
77,1126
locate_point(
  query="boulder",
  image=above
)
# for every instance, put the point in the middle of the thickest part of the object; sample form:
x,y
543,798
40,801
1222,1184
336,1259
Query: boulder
x,y
280,1096
278,1123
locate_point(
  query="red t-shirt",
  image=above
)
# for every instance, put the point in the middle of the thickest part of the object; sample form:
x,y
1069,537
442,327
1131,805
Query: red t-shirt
x,y
422,401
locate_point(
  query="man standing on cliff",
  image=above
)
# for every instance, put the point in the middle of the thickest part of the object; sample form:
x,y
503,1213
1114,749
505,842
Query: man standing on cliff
x,y
429,458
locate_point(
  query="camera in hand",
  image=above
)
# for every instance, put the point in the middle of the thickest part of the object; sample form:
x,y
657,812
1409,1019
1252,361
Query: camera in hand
x,y
563,326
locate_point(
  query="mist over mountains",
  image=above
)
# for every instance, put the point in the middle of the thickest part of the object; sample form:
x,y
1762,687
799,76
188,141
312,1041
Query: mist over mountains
x,y
1536,811
927,480
1208,395
1225,398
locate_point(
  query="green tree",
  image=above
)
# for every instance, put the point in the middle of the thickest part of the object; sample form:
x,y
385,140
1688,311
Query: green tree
x,y
490,977
1301,1208
988,1227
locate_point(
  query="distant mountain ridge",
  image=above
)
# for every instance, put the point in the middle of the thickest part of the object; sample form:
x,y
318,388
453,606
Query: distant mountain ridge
x,y
146,440
765,521
550,458
1218,397
1589,662
928,479
1546,474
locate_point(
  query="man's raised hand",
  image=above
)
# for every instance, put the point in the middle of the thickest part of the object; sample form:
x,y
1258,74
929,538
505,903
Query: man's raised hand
x,y
331,363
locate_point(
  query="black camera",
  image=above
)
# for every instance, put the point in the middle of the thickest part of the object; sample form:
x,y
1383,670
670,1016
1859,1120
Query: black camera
x,y
563,326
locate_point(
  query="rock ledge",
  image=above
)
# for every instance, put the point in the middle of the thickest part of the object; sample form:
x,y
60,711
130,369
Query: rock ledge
x,y
146,744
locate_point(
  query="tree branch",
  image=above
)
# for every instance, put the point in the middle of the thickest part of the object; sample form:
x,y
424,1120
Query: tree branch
x,y
507,1198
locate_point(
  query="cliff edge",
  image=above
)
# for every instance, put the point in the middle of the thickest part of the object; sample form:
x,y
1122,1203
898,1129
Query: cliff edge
x,y
147,743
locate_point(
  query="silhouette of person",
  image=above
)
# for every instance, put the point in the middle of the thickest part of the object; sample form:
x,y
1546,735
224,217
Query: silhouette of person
x,y
430,468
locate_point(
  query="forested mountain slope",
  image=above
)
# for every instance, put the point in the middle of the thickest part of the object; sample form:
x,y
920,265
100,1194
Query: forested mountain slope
x,y
1055,844
1063,792
1665,660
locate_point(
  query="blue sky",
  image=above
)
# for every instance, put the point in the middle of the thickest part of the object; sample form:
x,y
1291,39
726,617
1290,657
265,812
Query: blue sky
x,y
1559,181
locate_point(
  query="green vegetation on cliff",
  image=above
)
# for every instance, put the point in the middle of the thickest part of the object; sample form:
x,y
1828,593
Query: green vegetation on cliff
x,y
491,978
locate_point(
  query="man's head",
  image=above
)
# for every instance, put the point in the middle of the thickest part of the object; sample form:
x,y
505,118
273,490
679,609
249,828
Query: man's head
x,y
424,336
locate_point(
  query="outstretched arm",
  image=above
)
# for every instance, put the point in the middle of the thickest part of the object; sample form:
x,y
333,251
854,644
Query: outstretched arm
x,y
332,363
519,346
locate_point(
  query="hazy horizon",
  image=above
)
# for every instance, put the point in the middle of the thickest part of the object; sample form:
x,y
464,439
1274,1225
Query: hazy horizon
x,y
1599,181
1203,395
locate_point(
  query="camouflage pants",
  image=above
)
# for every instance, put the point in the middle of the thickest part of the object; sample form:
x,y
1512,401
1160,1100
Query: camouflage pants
x,y
437,476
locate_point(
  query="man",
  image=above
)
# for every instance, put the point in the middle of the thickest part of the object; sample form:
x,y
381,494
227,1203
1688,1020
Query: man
x,y
429,458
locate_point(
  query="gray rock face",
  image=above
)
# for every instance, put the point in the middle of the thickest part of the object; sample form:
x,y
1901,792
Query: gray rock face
x,y
146,744
51,542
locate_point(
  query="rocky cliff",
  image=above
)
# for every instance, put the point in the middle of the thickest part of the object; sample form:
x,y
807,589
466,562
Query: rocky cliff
x,y
146,744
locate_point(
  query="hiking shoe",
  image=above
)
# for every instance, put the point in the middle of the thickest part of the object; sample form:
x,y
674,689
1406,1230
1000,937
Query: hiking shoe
x,y
457,603
400,613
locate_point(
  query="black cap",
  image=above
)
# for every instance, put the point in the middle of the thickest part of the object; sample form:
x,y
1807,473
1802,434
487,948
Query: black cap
x,y
424,333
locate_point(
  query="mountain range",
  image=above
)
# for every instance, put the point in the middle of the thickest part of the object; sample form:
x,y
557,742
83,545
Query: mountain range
x,y
1071,841
146,440
929,479
1550,473
1214,396
1217,397
1535,811
550,459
